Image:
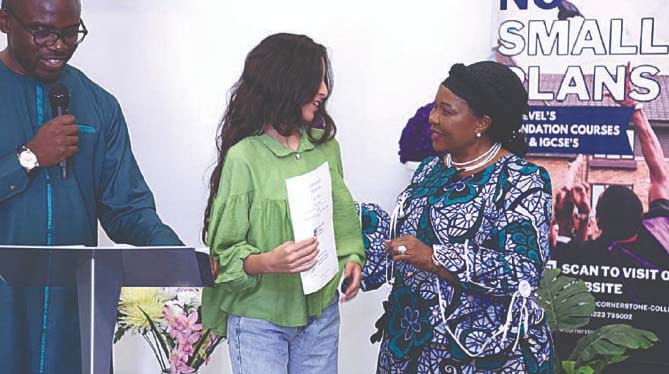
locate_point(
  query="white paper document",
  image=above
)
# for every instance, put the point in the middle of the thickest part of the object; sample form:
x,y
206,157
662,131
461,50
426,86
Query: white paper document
x,y
310,205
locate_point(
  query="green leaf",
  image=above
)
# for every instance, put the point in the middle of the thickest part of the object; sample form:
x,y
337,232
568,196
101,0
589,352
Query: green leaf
x,y
195,358
585,370
569,367
567,302
616,359
608,344
120,331
205,352
157,334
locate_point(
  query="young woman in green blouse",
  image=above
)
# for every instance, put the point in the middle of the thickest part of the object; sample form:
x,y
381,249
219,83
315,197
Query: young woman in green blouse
x,y
276,127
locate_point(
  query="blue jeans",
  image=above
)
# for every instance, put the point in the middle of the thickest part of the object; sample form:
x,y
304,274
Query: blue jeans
x,y
262,347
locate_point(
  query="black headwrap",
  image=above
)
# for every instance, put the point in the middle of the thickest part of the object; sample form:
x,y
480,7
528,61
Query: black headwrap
x,y
492,89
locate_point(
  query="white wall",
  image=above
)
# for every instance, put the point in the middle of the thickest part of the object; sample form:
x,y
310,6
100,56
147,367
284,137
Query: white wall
x,y
170,64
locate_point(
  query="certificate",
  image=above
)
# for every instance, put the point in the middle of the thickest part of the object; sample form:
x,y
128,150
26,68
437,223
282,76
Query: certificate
x,y
310,206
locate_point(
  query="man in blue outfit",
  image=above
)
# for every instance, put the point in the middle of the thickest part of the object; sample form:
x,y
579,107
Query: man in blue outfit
x,y
39,327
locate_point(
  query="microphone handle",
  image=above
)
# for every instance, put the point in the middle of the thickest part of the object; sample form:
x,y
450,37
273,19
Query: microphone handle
x,y
63,164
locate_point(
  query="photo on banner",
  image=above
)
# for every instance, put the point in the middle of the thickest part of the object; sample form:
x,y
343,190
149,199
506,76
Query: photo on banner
x,y
597,75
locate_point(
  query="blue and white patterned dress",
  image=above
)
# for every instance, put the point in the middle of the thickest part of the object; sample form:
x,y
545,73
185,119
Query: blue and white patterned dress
x,y
490,230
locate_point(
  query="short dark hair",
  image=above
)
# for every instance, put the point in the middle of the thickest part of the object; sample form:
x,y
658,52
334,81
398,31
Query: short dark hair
x,y
619,213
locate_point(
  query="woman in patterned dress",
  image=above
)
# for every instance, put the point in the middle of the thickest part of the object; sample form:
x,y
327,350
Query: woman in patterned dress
x,y
471,240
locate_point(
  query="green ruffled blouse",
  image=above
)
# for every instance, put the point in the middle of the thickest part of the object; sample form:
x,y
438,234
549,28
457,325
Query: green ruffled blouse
x,y
250,215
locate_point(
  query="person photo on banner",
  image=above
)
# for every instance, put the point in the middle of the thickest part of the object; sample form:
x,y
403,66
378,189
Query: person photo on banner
x,y
267,135
470,239
571,222
635,243
61,171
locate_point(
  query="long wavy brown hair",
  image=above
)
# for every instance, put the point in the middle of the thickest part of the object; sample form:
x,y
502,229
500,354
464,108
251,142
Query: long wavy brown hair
x,y
280,75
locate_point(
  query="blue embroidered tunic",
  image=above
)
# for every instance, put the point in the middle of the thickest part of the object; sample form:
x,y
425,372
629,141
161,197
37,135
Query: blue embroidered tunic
x,y
490,230
39,327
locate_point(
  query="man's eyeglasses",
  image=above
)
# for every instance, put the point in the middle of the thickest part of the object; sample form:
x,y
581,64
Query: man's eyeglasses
x,y
46,37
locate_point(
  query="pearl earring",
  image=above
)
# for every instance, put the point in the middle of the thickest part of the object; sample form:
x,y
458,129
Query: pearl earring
x,y
478,134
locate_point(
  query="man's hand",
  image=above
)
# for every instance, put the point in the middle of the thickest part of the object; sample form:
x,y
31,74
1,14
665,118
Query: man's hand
x,y
628,101
563,198
580,195
55,141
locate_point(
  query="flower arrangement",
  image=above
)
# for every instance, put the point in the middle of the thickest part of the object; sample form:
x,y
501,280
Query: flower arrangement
x,y
416,141
169,320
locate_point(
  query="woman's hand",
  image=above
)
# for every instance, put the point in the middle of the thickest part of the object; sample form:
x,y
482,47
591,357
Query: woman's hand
x,y
215,267
411,250
290,258
353,273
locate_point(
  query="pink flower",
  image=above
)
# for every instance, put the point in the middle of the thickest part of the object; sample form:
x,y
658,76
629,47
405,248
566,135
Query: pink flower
x,y
186,342
179,327
170,318
181,323
178,363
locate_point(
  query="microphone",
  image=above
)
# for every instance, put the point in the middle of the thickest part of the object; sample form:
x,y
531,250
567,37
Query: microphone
x,y
59,96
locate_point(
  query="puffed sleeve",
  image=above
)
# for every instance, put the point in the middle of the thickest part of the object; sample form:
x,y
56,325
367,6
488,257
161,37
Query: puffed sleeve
x,y
229,224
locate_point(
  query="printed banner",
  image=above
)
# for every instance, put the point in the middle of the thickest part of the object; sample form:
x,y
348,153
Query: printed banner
x,y
583,130
597,74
